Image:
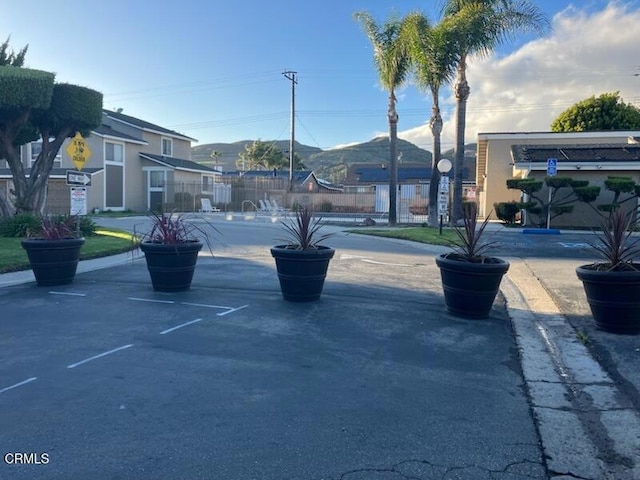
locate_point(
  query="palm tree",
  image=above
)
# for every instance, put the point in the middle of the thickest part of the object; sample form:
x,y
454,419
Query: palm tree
x,y
391,56
433,59
481,26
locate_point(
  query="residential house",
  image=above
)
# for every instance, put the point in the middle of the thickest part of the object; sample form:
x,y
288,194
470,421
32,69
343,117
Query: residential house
x,y
134,165
591,156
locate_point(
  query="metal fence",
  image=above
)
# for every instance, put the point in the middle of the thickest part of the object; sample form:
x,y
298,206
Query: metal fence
x,y
269,196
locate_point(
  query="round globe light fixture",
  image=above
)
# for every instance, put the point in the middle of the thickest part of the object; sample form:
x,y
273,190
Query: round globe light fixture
x,y
444,165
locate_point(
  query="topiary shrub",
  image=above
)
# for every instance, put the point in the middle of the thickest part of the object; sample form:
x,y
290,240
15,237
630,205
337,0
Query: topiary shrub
x,y
507,211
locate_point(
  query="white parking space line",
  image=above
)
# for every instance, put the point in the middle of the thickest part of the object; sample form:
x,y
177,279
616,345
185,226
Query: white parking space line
x,y
180,326
205,305
375,262
104,354
151,300
71,294
29,380
222,314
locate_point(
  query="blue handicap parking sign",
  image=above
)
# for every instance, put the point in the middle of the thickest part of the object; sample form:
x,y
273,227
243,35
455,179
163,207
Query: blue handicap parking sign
x,y
552,166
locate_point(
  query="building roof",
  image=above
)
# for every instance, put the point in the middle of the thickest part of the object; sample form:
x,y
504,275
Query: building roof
x,y
590,153
178,163
144,125
106,131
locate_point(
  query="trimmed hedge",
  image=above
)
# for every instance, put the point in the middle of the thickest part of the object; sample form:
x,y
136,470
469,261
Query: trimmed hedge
x,y
25,88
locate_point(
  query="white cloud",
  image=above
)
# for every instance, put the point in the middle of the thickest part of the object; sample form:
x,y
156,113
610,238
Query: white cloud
x,y
585,55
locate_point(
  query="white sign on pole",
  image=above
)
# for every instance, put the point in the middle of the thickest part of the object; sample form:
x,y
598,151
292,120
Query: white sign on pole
x,y
78,201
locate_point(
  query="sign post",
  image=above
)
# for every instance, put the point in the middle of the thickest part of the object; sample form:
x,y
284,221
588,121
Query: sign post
x,y
78,201
552,170
80,153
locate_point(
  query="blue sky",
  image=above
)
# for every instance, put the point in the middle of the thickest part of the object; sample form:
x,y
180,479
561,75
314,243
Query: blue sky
x,y
213,70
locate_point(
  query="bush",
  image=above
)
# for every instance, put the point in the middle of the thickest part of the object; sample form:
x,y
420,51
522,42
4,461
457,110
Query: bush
x,y
183,201
25,224
507,211
326,207
19,225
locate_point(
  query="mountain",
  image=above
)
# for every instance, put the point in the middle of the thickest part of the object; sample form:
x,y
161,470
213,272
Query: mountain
x,y
230,152
332,164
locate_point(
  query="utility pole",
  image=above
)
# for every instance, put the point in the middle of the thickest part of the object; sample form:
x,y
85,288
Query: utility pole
x,y
289,75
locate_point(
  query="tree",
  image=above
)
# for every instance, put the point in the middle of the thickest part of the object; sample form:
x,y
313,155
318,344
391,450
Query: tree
x,y
433,61
391,56
33,106
265,155
481,26
565,191
607,112
9,58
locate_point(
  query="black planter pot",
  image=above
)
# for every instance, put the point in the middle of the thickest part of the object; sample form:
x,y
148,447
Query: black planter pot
x,y
54,262
171,266
614,298
302,272
470,288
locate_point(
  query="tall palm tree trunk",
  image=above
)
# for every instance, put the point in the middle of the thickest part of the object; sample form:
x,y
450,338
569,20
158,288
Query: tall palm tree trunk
x,y
462,91
393,160
435,123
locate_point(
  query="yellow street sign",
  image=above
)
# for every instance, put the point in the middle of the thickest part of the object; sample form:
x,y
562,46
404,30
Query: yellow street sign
x,y
79,151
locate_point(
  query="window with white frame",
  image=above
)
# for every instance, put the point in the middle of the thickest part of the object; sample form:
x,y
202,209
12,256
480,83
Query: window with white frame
x,y
35,148
167,147
113,152
207,183
156,178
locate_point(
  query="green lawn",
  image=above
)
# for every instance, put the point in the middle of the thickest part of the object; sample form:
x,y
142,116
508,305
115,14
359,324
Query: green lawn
x,y
108,241
416,234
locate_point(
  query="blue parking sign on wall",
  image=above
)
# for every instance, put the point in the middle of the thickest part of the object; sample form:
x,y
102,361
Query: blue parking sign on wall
x,y
552,167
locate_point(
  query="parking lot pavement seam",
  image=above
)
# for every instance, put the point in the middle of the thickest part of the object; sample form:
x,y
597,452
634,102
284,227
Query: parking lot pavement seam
x,y
572,397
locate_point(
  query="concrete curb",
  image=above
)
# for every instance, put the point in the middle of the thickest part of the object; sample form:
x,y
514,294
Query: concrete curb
x,y
586,427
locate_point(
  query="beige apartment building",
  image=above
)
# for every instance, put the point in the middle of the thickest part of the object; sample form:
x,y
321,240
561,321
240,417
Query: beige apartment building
x,y
589,156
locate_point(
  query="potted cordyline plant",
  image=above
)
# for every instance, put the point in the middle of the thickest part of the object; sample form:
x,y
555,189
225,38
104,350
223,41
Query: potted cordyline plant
x,y
301,262
470,278
612,285
171,249
54,250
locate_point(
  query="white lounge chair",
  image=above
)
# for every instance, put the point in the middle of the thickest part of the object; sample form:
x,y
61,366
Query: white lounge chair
x,y
263,206
206,206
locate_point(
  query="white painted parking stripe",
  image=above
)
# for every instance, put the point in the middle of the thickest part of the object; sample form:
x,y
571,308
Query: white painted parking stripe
x,y
150,300
180,326
69,293
221,314
205,305
29,380
73,365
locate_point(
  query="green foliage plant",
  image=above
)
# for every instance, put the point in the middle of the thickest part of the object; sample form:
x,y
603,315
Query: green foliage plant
x,y
173,229
606,112
303,230
507,211
19,225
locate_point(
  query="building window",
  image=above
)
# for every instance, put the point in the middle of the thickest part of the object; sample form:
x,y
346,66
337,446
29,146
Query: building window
x,y
156,178
114,152
36,149
167,147
207,184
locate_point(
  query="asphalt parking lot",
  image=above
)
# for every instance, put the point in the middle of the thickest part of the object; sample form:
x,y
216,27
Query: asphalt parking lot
x,y
228,381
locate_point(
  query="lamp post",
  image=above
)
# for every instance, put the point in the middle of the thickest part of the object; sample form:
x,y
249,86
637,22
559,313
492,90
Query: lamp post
x,y
444,167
